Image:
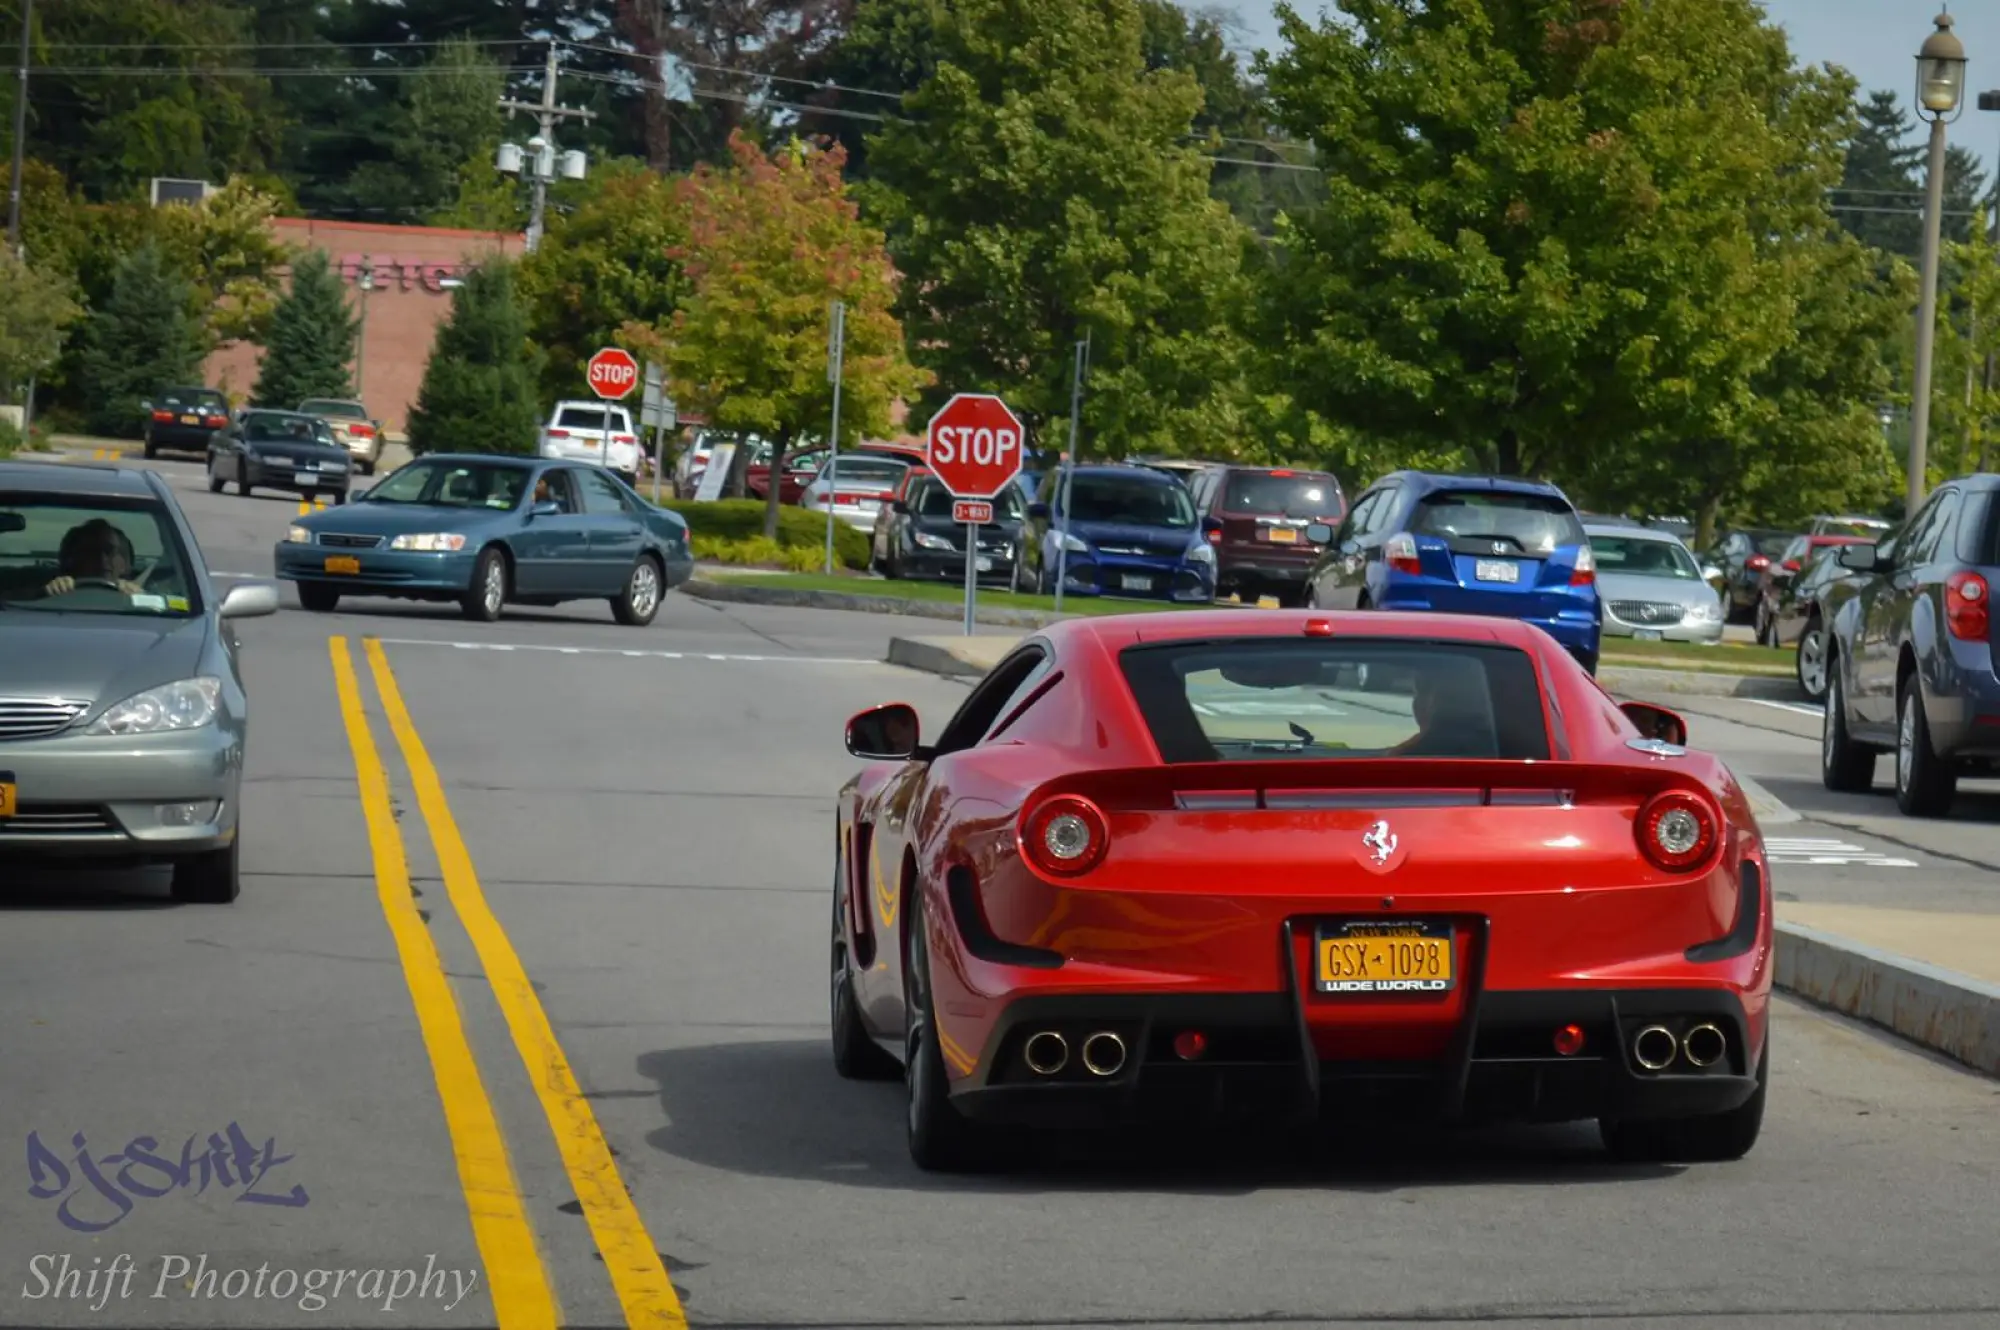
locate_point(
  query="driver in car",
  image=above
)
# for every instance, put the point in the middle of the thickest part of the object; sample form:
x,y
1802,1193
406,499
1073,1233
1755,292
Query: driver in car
x,y
94,551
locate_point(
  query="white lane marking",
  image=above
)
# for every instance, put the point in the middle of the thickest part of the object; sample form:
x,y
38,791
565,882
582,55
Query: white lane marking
x,y
630,652
244,577
1803,708
1806,850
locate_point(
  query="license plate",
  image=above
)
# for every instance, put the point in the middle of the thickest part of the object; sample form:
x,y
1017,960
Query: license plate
x,y
1385,956
985,565
341,563
1131,583
190,420
8,802
1496,570
310,479
1284,535
1647,635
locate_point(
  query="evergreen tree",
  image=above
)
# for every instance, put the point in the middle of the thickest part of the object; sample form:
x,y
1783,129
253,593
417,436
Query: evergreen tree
x,y
478,394
143,338
312,339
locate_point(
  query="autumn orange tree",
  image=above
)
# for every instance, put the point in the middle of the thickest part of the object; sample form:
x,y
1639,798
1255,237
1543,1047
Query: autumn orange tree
x,y
772,241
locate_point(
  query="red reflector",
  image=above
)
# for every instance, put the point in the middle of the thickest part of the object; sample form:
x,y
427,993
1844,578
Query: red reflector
x,y
1319,628
558,434
1281,473
163,415
1791,565
1569,1040
1190,1044
365,431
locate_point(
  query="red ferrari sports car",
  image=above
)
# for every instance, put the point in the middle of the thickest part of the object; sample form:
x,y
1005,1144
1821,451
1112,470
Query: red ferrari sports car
x,y
1305,865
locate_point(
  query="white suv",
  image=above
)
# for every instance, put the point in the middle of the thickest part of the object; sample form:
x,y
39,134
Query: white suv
x,y
593,432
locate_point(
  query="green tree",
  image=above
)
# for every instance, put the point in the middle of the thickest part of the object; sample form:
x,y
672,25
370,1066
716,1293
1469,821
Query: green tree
x,y
312,338
1044,185
143,338
772,242
37,310
478,393
228,248
609,263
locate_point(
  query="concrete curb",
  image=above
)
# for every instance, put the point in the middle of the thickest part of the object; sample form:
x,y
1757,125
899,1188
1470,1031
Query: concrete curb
x,y
1638,682
1948,1012
916,654
703,589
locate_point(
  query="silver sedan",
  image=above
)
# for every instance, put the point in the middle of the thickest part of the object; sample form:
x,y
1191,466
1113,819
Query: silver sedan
x,y
1651,586
122,710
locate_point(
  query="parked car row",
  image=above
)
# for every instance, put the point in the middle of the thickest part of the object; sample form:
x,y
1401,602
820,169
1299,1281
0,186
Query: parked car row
x,y
190,418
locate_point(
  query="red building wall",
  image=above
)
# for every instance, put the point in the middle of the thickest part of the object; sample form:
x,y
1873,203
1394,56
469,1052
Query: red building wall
x,y
402,313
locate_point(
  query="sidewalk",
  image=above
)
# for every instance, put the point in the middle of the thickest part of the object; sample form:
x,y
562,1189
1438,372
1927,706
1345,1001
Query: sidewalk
x,y
1930,976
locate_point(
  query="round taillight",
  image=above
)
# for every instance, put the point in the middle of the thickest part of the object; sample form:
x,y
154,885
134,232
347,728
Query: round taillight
x,y
1066,836
1676,830
1972,588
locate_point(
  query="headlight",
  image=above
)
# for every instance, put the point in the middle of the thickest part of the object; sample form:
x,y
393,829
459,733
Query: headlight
x,y
930,542
1703,613
430,542
186,705
298,535
1200,552
1075,546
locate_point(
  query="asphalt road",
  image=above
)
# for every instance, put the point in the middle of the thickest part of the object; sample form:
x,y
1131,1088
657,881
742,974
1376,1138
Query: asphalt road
x,y
556,891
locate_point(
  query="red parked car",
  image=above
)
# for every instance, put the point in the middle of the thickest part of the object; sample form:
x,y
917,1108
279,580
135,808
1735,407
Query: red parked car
x,y
1305,864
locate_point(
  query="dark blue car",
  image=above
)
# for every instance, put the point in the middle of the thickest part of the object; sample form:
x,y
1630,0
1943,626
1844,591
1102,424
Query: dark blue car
x,y
1131,531
1418,540
486,532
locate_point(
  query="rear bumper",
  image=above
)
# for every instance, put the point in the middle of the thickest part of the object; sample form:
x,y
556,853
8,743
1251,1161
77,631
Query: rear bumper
x,y
114,799
382,572
1962,700
191,438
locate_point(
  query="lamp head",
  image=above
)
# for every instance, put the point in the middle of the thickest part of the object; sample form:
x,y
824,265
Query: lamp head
x,y
1941,71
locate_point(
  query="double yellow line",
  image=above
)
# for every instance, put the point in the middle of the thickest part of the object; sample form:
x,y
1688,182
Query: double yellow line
x,y
523,1296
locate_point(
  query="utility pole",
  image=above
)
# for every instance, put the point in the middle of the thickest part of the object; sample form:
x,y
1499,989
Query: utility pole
x,y
541,157
20,133
836,358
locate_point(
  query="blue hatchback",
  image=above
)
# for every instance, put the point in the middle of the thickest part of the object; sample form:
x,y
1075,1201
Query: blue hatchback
x,y
1131,532
1418,540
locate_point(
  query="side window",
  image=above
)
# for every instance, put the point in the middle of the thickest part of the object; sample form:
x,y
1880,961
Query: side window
x,y
1935,540
600,496
1797,549
989,699
1907,541
1017,703
562,489
1387,507
1356,520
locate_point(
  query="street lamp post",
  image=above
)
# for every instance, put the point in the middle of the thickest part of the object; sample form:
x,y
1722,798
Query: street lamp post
x,y
20,133
1940,88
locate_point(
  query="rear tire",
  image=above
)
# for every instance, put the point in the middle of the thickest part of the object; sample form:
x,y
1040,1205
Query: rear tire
x,y
1926,784
942,1140
1844,765
209,879
645,588
319,598
486,596
1714,1138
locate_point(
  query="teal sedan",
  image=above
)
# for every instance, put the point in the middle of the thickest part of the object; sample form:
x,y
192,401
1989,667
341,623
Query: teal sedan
x,y
486,532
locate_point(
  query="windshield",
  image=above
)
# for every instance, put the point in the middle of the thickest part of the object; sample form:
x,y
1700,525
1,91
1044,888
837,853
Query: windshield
x,y
593,419
868,470
446,484
203,399
1866,528
932,499
1146,499
345,410
1282,494
1772,547
1263,698
94,556
1531,524
285,429
1644,558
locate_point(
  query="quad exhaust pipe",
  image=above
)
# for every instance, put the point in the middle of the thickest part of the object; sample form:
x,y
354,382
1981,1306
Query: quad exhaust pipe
x,y
1046,1052
1704,1045
1654,1047
1104,1054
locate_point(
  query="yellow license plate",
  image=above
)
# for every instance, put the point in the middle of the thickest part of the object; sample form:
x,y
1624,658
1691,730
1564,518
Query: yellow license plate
x,y
1385,956
8,799
342,564
1284,535
190,420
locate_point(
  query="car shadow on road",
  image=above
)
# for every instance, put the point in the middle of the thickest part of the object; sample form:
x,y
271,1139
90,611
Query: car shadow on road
x,y
777,1109
1977,801
27,888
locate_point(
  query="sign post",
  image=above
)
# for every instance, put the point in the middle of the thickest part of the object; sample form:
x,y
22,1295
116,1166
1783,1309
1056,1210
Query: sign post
x,y
658,411
1069,462
974,446
612,374
836,350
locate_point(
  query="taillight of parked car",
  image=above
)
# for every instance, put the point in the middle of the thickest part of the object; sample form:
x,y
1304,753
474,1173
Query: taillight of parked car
x,y
1757,563
1676,830
1585,572
1401,552
1965,611
163,415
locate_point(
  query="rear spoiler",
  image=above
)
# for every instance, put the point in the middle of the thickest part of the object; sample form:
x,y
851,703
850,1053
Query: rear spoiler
x,y
1367,783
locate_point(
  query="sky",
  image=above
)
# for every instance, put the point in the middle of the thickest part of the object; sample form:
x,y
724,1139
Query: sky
x,y
1876,40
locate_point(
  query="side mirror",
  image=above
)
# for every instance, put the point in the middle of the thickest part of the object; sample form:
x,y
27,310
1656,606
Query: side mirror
x,y
1861,558
1319,533
546,508
1710,573
1656,722
900,507
884,733
249,600
1038,512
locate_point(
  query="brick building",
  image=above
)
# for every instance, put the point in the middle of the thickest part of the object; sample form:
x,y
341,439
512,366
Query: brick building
x,y
411,296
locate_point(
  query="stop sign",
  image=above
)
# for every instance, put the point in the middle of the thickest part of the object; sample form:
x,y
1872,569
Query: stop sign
x,y
613,373
975,445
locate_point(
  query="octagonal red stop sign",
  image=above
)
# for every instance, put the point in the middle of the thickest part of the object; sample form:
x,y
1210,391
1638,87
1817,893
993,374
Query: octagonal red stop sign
x,y
975,445
613,373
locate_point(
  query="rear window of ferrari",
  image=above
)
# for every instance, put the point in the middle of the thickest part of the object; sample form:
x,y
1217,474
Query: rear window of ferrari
x,y
1261,698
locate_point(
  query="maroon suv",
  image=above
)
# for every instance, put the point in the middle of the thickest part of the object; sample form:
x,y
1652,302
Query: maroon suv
x,y
1262,547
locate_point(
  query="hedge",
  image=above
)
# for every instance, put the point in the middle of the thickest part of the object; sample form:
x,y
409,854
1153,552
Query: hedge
x,y
737,520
